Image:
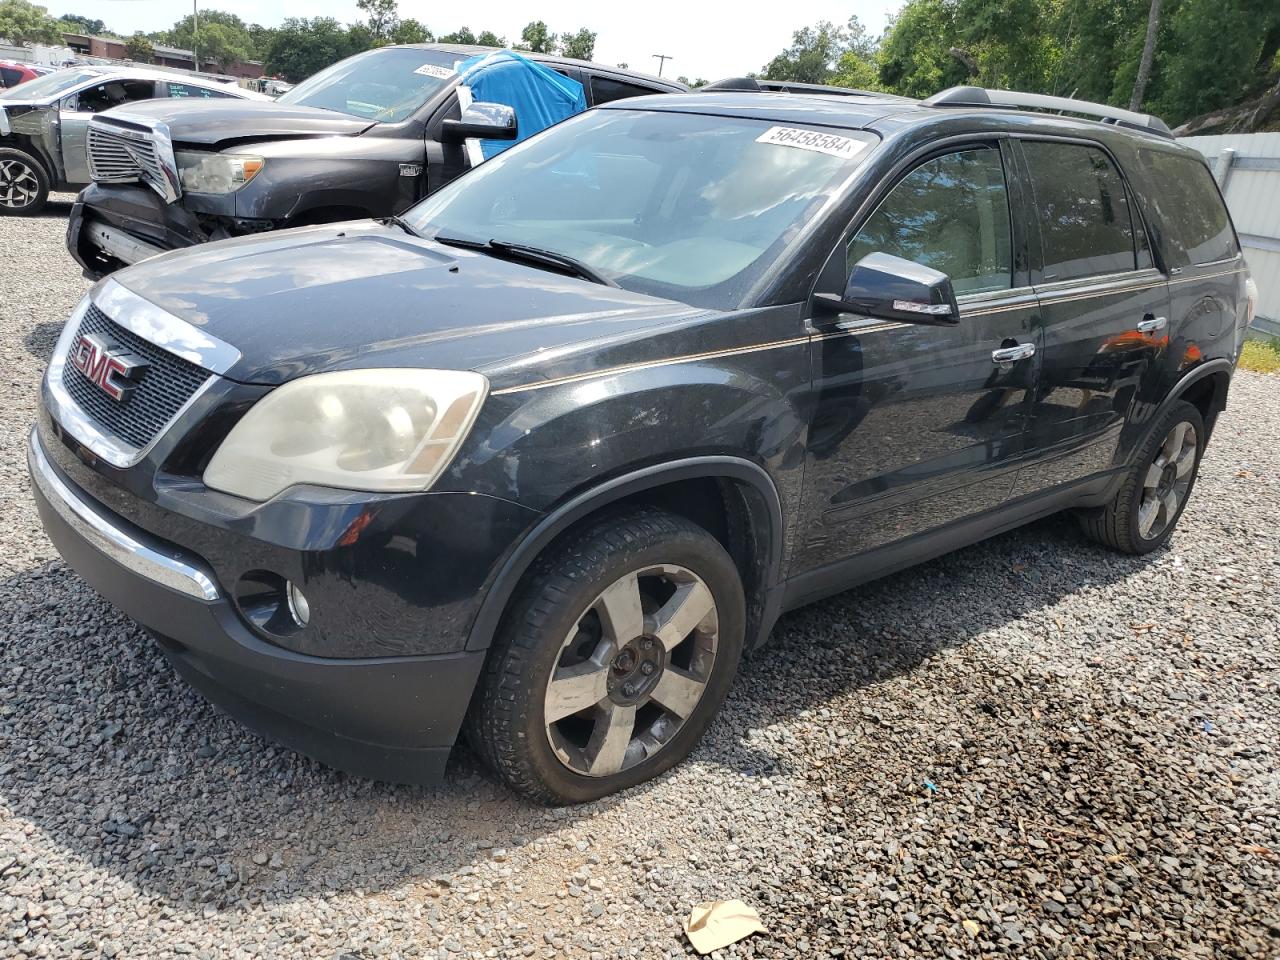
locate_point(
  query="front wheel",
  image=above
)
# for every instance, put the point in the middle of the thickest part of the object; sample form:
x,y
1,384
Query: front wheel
x,y
24,186
612,660
1155,491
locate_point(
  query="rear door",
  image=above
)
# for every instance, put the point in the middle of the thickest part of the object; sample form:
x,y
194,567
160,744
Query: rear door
x,y
1104,306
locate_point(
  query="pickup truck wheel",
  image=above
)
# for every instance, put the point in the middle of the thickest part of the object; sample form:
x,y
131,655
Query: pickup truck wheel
x,y
24,186
1155,491
612,660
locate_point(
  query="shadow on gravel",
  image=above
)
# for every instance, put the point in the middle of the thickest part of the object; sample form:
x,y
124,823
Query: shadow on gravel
x,y
117,761
41,339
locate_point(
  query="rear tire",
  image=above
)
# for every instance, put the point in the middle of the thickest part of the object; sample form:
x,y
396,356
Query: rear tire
x,y
613,658
24,185
1156,489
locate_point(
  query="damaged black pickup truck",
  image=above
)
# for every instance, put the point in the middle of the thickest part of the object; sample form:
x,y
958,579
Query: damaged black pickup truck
x,y
367,137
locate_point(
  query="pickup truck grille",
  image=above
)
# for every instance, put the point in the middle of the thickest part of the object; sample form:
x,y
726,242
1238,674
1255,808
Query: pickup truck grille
x,y
124,155
166,386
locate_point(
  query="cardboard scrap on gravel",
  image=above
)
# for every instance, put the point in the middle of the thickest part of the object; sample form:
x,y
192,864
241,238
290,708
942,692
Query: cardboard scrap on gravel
x,y
711,926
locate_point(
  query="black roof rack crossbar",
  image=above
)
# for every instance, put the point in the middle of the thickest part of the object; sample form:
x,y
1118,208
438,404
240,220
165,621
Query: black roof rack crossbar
x,y
1016,100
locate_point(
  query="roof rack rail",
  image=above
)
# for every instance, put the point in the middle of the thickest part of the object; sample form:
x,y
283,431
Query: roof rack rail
x,y
1016,100
757,85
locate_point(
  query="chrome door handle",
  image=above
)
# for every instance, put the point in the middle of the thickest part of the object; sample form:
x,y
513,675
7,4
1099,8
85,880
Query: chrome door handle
x,y
1150,324
1012,354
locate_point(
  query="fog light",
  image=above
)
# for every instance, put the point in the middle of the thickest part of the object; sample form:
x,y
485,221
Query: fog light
x,y
298,606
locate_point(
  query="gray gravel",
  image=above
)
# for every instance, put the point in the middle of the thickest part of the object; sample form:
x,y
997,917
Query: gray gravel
x,y
1073,750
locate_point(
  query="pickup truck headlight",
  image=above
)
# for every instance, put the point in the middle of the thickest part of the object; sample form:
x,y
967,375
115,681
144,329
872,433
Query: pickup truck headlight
x,y
378,430
216,172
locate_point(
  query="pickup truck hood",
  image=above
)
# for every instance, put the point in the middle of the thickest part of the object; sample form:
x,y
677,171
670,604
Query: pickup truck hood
x,y
361,294
214,122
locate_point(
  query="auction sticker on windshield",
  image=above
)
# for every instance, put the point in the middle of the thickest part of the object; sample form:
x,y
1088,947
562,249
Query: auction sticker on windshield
x,y
431,70
829,143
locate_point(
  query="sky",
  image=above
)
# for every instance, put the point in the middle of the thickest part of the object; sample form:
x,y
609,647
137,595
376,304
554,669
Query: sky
x,y
705,40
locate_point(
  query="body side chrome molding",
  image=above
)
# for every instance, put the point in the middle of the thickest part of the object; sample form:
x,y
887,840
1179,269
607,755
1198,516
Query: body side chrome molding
x,y
127,549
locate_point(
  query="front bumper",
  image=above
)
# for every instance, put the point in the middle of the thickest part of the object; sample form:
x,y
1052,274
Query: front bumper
x,y
388,718
133,212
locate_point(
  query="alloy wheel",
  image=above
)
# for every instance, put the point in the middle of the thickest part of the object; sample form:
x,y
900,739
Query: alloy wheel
x,y
1168,480
632,670
19,185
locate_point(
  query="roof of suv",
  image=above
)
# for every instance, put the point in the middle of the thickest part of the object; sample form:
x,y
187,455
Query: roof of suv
x,y
868,111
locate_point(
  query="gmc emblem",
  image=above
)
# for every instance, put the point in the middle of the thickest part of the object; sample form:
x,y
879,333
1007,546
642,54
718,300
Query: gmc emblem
x,y
107,367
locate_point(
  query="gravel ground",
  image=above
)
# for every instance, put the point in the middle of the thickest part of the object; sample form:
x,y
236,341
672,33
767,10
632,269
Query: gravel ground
x,y
1030,747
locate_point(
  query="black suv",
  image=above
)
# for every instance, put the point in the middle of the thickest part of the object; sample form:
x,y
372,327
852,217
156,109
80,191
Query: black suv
x,y
551,452
367,137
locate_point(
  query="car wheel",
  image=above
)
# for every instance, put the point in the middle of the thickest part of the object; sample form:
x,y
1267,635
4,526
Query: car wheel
x,y
24,186
1155,491
612,660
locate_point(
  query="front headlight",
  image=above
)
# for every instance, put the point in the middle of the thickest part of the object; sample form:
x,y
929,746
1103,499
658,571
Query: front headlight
x,y
216,172
380,430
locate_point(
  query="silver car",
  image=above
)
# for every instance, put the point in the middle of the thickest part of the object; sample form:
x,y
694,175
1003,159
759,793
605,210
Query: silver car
x,y
43,123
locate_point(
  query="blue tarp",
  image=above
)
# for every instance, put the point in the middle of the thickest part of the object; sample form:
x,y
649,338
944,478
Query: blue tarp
x,y
540,96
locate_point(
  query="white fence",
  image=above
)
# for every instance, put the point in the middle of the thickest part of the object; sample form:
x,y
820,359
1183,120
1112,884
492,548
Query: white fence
x,y
1247,166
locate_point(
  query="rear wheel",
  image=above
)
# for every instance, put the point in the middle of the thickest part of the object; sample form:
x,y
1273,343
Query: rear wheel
x,y
24,186
1157,487
613,659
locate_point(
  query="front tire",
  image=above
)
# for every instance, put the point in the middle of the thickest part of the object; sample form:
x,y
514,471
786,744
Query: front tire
x,y
1155,491
612,660
24,185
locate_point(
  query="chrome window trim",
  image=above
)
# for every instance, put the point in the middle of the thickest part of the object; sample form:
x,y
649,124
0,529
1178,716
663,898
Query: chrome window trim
x,y
130,551
1122,278
150,322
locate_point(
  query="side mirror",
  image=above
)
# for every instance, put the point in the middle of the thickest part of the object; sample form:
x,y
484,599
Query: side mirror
x,y
891,288
483,121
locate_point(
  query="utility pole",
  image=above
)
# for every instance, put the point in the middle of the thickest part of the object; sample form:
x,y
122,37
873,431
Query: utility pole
x,y
195,34
662,59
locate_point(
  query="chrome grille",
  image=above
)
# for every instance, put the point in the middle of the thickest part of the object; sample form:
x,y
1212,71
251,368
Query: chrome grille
x,y
165,387
117,155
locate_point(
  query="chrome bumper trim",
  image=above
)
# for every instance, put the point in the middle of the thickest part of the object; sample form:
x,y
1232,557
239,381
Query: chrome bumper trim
x,y
119,244
127,549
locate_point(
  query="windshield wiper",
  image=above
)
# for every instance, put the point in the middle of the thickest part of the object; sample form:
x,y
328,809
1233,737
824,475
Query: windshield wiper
x,y
403,224
525,253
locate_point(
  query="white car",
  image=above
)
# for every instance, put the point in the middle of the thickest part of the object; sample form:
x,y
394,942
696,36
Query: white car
x,y
43,123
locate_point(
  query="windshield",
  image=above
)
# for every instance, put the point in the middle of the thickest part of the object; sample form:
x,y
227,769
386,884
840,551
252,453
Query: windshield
x,y
386,85
683,206
50,85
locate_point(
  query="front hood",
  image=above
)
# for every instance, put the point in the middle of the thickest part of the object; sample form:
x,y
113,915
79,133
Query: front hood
x,y
211,122
357,295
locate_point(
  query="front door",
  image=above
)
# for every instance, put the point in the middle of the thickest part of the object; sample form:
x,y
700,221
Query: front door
x,y
77,110
1105,310
917,426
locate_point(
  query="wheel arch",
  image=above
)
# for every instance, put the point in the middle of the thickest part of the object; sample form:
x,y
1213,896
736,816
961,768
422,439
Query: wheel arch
x,y
750,528
1204,387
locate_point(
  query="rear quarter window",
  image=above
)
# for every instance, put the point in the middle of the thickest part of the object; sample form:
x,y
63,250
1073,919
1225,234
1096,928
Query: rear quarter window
x,y
1195,219
609,89
9,77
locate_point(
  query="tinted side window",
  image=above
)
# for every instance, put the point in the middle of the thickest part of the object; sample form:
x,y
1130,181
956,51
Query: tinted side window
x,y
199,93
607,89
950,213
9,77
1190,206
1083,208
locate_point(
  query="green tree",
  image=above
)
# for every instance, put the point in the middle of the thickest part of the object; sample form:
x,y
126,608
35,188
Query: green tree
x,y
580,45
78,24
536,38
383,18
139,48
488,38
693,84
411,31
261,37
302,47
22,22
223,45
815,52
459,36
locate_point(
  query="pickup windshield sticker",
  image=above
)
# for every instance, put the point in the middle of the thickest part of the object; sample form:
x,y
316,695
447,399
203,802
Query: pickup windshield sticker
x,y
828,143
431,70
